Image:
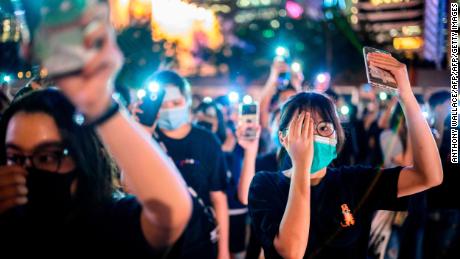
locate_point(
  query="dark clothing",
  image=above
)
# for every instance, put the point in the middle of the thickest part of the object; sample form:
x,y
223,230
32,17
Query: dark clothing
x,y
198,239
442,196
442,234
238,211
368,143
267,162
234,162
442,229
112,230
350,150
237,239
200,160
333,233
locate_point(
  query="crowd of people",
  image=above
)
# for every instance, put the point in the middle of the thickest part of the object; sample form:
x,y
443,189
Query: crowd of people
x,y
80,175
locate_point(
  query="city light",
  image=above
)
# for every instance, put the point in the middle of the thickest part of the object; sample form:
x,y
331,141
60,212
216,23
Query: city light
x,y
233,97
407,43
321,78
141,93
187,25
7,79
281,51
207,99
247,99
383,96
296,67
294,9
154,87
275,24
345,110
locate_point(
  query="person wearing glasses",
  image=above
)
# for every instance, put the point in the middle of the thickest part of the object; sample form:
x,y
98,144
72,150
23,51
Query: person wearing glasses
x,y
57,197
313,210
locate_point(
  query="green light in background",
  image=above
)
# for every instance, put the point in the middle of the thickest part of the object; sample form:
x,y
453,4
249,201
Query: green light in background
x,y
268,33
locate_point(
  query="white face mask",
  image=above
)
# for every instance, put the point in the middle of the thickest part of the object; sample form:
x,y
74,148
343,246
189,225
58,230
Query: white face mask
x,y
173,118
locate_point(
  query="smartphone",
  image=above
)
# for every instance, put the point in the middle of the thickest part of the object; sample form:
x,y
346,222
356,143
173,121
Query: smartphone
x,y
151,104
378,77
249,114
59,39
283,77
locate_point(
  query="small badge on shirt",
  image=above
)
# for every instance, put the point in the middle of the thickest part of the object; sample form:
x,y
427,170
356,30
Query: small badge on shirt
x,y
188,161
348,219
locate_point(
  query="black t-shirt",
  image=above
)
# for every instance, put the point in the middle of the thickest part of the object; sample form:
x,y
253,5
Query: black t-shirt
x,y
267,162
111,230
200,160
197,241
445,195
332,234
234,161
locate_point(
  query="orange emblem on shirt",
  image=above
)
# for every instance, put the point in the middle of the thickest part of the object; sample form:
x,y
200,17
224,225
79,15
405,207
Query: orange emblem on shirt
x,y
348,219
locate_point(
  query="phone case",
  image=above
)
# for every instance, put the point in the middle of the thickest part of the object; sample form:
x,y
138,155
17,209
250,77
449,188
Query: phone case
x,y
252,118
150,107
378,77
60,48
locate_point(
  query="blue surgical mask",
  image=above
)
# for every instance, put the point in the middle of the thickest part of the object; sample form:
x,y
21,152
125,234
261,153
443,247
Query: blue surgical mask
x,y
325,150
171,119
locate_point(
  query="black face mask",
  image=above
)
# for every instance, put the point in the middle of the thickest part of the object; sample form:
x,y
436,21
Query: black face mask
x,y
205,125
49,193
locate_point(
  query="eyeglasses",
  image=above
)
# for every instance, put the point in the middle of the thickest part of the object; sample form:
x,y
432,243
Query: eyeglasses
x,y
323,128
49,159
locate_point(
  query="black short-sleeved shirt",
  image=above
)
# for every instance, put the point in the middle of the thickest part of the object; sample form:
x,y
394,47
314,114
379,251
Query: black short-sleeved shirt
x,y
343,188
112,230
442,196
234,162
197,240
200,160
267,162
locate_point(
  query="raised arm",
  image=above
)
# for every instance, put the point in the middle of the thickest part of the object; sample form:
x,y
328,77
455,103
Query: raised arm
x,y
166,205
426,171
292,238
269,91
384,120
248,168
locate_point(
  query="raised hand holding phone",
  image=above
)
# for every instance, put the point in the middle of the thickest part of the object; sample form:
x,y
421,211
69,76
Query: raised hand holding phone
x,y
377,76
397,69
61,42
249,115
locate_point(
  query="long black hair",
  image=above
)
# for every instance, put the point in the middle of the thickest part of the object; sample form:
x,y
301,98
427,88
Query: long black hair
x,y
311,102
93,164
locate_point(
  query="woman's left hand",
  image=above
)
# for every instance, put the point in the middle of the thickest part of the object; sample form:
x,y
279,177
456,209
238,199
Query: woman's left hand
x,y
396,68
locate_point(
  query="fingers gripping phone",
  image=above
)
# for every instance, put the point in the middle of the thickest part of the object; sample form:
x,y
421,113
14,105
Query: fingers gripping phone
x,y
151,104
249,114
378,77
59,44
